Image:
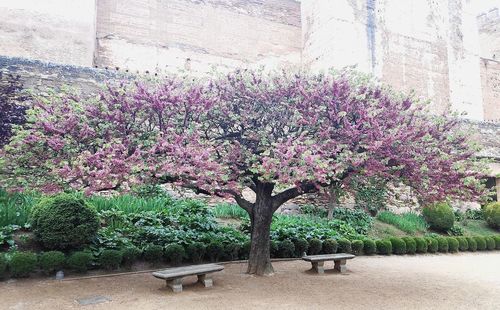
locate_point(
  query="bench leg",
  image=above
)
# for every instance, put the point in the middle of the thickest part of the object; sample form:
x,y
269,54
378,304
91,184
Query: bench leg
x,y
340,265
206,280
318,267
175,285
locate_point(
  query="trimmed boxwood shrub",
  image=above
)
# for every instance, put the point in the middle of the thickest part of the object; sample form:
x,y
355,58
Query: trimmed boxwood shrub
x,y
369,247
472,244
439,216
357,247
344,246
442,244
130,255
22,264
497,242
79,261
398,246
490,243
196,251
452,245
3,266
52,261
64,222
301,245
286,249
315,246
432,245
492,214
411,245
175,253
463,245
384,247
421,245
330,246
481,243
110,259
214,251
153,253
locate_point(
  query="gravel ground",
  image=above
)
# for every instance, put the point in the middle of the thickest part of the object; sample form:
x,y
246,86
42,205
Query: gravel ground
x,y
453,281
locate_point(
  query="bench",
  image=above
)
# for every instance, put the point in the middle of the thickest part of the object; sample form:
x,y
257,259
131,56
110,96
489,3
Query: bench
x,y
174,276
318,261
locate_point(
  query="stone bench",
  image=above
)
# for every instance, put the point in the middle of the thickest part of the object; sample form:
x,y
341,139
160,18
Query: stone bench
x,y
174,276
318,261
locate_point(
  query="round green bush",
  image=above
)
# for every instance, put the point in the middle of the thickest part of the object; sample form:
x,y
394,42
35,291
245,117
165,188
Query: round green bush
x,y
384,247
22,264
196,251
453,245
64,222
442,244
3,266
439,216
214,251
472,244
245,249
330,246
52,261
369,247
130,255
398,246
274,248
357,247
175,253
315,246
79,261
344,246
232,249
492,214
421,245
411,245
153,253
490,243
286,249
301,245
481,243
110,259
432,245
497,242
463,245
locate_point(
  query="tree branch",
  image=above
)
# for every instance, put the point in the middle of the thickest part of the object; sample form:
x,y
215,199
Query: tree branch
x,y
281,198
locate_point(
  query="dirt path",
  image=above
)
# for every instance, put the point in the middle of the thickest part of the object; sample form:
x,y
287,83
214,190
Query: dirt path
x,y
455,281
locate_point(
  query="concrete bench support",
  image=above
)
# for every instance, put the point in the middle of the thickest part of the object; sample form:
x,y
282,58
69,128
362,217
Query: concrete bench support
x,y
175,285
206,280
318,261
174,276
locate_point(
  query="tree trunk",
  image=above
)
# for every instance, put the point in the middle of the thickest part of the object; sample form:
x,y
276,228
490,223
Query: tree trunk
x,y
332,202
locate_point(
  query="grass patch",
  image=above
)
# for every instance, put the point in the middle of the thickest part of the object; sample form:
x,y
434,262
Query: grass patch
x,y
228,210
15,207
381,230
478,228
410,223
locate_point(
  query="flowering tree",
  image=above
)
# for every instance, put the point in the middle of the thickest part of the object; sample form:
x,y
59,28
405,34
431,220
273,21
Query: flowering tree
x,y
281,135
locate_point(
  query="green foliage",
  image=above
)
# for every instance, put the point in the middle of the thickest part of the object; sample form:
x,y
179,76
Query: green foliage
x,y
492,214
384,247
245,249
228,210
410,223
52,261
175,253
330,246
463,245
148,191
130,255
153,253
231,250
301,246
369,247
214,251
80,261
432,245
474,214
22,264
456,230
471,241
315,246
439,216
129,204
7,236
345,246
357,247
411,245
497,242
398,246
313,210
64,222
3,266
453,245
490,243
371,195
110,259
15,207
196,251
442,244
356,218
421,245
273,248
286,248
481,243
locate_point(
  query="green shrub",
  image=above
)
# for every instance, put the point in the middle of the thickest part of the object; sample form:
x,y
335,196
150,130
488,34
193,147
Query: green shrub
x,y
472,244
231,250
52,261
456,231
497,242
442,244
110,259
398,246
301,245
453,245
22,264
315,246
369,247
175,253
439,216
490,243
286,248
408,222
384,247
411,245
344,246
64,222
214,251
245,249
421,245
79,261
330,246
130,255
357,247
153,253
273,248
481,243
492,214
3,266
463,245
196,251
356,218
432,245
